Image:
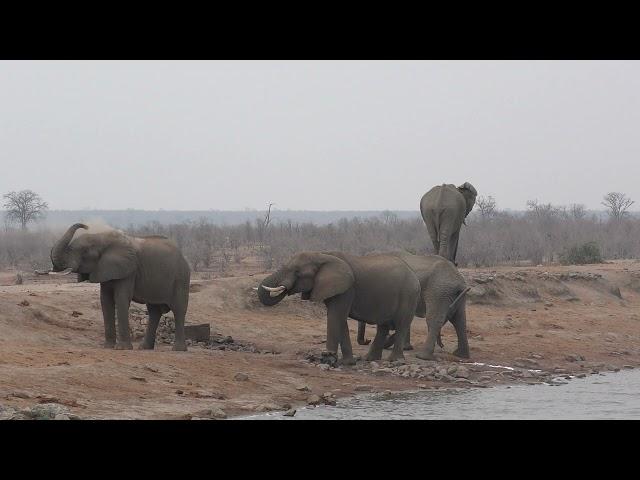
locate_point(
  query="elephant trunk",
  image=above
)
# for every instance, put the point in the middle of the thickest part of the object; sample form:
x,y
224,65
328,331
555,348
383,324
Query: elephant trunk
x,y
269,296
59,250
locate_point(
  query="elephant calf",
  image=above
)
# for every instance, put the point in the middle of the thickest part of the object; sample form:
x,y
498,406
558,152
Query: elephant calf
x,y
376,289
149,270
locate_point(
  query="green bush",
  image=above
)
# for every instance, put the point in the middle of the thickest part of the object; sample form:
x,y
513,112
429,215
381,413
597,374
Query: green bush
x,y
580,255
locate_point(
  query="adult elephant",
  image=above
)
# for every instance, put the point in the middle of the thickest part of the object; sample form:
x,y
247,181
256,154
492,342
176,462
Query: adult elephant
x,y
442,298
149,270
444,209
376,289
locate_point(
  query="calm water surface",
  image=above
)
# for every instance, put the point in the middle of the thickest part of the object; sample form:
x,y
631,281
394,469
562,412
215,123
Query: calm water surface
x,y
605,396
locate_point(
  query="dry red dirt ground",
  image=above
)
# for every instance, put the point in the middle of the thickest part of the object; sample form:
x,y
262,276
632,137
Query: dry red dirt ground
x,y
48,353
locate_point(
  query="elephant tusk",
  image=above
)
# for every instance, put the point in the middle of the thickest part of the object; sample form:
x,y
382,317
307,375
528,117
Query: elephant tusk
x,y
274,291
66,271
42,272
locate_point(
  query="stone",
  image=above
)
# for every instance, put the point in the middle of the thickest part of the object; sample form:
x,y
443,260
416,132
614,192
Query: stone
x,y
304,388
267,407
574,358
363,388
241,377
314,400
461,372
289,413
525,363
198,333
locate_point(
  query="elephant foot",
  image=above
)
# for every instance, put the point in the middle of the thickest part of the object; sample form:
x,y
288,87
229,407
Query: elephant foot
x,y
146,346
180,347
373,358
461,353
425,356
124,346
109,344
408,347
349,361
396,357
364,342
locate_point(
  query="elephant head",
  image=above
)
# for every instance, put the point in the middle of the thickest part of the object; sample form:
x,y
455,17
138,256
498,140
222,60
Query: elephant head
x,y
317,276
98,257
469,193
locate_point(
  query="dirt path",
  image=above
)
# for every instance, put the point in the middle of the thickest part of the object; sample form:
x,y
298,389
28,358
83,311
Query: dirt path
x,y
543,321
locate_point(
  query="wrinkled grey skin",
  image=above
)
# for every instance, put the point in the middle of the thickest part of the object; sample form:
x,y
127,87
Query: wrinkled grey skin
x,y
149,270
444,209
440,285
376,289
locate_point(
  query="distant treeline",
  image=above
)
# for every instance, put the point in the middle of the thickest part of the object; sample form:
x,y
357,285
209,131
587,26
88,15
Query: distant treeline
x,y
543,234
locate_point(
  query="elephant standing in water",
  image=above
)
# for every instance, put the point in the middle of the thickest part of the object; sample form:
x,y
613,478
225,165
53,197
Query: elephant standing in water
x,y
444,209
442,299
149,270
377,289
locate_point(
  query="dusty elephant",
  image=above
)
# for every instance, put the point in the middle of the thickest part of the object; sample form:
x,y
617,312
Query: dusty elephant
x,y
149,270
442,298
377,289
443,210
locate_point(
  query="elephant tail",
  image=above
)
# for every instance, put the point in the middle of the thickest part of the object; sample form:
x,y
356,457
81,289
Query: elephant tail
x,y
454,305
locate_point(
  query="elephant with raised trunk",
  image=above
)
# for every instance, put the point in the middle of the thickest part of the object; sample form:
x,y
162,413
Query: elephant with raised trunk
x,y
443,292
376,289
444,209
149,270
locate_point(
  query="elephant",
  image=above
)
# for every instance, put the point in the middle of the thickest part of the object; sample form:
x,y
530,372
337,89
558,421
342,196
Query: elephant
x,y
376,289
444,209
149,270
442,299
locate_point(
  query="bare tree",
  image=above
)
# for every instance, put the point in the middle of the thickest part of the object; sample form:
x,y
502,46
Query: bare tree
x,y
617,203
24,207
577,211
487,206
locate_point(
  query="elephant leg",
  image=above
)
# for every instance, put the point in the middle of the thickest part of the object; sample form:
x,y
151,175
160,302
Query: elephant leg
x,y
453,249
407,339
398,347
390,341
433,234
179,342
362,326
338,308
149,341
434,325
123,292
108,314
459,322
375,350
345,346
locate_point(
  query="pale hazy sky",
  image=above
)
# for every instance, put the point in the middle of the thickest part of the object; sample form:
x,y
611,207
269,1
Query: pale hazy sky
x,y
317,135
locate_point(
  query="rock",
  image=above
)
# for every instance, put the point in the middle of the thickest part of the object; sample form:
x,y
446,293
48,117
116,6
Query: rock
x,y
324,366
61,416
525,363
267,407
209,413
44,411
289,413
198,333
20,394
24,303
574,358
628,367
363,388
461,372
581,375
314,400
374,365
241,377
303,388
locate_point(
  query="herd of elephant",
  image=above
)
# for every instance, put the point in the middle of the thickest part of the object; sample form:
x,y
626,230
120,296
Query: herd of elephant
x,y
386,290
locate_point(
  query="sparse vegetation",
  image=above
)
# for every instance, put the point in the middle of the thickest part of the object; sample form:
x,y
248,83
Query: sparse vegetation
x,y
24,207
545,233
582,254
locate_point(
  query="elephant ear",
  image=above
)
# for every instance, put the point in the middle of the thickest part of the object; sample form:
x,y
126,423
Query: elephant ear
x,y
115,263
333,278
468,186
